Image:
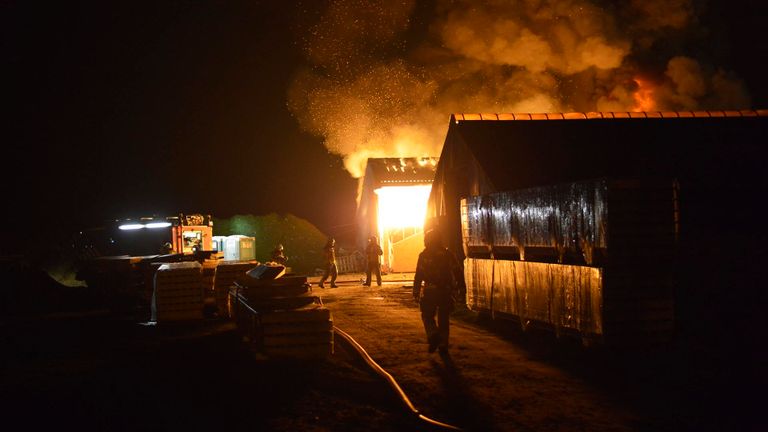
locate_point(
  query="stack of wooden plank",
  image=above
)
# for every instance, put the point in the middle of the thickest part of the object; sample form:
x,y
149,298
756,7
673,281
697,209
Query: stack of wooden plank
x,y
149,269
290,321
117,279
208,274
178,292
306,331
224,278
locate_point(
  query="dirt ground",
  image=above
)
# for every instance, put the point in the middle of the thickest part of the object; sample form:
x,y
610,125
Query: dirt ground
x,y
88,369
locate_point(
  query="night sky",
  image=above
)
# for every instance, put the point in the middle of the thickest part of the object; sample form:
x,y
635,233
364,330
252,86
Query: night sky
x,y
179,106
120,109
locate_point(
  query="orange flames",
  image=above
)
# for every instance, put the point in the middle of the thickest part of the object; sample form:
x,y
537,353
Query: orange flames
x,y
402,206
643,96
401,214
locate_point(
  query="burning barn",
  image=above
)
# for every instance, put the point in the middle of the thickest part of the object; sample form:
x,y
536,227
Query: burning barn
x,y
392,205
613,225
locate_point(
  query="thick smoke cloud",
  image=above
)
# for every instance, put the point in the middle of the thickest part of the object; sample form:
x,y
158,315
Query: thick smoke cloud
x,y
384,76
565,37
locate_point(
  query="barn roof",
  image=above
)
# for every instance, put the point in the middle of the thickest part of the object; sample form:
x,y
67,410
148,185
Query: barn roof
x,y
708,152
607,115
380,172
400,171
513,153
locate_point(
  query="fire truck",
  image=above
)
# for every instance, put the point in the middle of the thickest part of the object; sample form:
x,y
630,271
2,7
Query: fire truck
x,y
119,259
186,234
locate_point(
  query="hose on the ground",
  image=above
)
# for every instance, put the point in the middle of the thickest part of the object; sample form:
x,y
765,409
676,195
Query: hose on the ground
x,y
392,383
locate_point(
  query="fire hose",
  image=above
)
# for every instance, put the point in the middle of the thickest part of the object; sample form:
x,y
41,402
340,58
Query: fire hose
x,y
357,348
392,383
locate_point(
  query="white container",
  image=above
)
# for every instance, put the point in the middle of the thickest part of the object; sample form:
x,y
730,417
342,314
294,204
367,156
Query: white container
x,y
240,248
219,243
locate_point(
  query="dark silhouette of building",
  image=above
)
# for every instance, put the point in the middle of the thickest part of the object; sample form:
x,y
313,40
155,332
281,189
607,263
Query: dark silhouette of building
x,y
713,163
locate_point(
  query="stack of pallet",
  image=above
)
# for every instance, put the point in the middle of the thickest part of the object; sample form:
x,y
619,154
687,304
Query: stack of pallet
x,y
224,278
305,331
208,274
178,292
117,279
148,267
290,322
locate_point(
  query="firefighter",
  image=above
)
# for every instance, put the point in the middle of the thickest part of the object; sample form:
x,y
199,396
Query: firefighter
x,y
372,253
437,269
166,249
329,251
278,255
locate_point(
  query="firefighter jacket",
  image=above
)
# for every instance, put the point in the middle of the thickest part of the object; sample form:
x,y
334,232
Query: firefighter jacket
x,y
279,257
373,252
330,254
436,268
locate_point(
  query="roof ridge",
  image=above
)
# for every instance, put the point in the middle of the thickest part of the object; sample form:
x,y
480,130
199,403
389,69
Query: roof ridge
x,y
608,115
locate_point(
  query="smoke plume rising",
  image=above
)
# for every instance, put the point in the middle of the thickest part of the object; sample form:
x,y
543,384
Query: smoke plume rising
x,y
382,77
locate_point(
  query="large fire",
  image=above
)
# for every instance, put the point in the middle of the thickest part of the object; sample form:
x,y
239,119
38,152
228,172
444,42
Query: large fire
x,y
402,206
644,100
368,99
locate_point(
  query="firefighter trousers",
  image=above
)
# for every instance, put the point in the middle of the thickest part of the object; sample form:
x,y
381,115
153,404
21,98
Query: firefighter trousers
x,y
437,304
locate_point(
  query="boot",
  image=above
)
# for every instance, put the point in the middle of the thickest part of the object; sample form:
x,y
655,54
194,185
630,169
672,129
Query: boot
x,y
434,341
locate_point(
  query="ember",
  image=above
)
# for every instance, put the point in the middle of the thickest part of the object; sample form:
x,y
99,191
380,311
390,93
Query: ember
x,y
368,99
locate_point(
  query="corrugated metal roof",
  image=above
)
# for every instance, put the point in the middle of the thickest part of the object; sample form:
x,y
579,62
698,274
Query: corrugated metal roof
x,y
607,115
717,157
